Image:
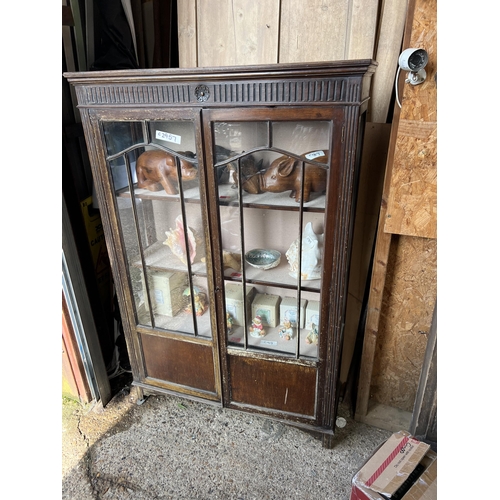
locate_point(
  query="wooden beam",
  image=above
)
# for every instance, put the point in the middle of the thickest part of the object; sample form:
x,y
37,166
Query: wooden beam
x,y
391,29
424,421
362,29
379,270
188,34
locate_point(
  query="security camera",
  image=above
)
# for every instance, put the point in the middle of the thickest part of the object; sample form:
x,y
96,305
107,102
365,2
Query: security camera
x,y
414,61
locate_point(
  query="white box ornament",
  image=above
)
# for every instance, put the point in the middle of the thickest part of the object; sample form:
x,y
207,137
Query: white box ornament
x,y
234,302
288,310
267,307
312,313
165,291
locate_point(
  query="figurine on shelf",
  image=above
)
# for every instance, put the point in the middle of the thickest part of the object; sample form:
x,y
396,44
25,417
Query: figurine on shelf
x,y
286,173
231,260
229,323
311,259
286,330
156,169
248,164
312,337
200,301
249,167
176,241
257,328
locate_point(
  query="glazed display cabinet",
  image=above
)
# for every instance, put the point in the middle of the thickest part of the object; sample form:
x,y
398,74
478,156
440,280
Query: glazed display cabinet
x,y
227,196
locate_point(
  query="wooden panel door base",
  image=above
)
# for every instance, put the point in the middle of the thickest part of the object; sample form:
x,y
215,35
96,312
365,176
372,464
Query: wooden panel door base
x,y
175,360
285,387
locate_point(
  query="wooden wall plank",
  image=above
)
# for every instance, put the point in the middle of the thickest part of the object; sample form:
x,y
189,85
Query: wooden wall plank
x,y
377,286
412,204
187,34
392,25
315,30
362,29
225,32
237,32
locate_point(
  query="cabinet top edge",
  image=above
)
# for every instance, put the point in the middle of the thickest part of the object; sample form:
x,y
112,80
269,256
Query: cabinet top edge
x,y
283,70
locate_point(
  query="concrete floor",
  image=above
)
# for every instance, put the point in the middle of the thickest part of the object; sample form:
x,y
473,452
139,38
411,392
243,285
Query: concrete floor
x,y
171,448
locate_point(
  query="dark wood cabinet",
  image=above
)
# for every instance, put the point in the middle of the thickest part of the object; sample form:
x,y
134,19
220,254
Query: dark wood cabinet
x,y
227,196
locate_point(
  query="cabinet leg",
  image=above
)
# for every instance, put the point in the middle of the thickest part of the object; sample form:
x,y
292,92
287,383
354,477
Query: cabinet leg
x,y
140,398
328,441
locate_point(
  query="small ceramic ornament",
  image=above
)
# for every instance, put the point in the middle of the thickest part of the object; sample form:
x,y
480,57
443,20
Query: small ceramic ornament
x,y
286,330
312,337
200,301
229,323
177,242
312,246
231,260
257,328
249,168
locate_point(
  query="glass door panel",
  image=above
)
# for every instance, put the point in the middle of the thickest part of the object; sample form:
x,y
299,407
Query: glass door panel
x,y
155,177
271,204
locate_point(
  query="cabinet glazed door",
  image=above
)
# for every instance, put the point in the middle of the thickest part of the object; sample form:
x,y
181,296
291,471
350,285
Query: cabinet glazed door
x,y
273,178
154,187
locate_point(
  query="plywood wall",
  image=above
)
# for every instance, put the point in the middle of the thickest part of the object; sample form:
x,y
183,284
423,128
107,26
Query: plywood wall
x,y
412,204
403,285
243,32
406,316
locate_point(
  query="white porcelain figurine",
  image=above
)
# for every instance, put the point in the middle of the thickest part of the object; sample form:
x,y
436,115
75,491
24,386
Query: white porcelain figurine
x,y
286,330
312,247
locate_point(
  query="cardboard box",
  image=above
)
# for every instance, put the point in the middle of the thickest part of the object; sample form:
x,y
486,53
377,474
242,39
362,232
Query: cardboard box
x,y
402,468
234,302
267,307
312,313
165,290
288,310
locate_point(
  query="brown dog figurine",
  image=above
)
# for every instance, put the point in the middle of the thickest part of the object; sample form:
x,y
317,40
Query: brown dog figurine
x,y
285,173
155,170
249,167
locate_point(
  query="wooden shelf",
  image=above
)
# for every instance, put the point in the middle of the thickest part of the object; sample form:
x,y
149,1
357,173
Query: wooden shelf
x,y
272,201
272,342
159,257
277,276
191,195
180,323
